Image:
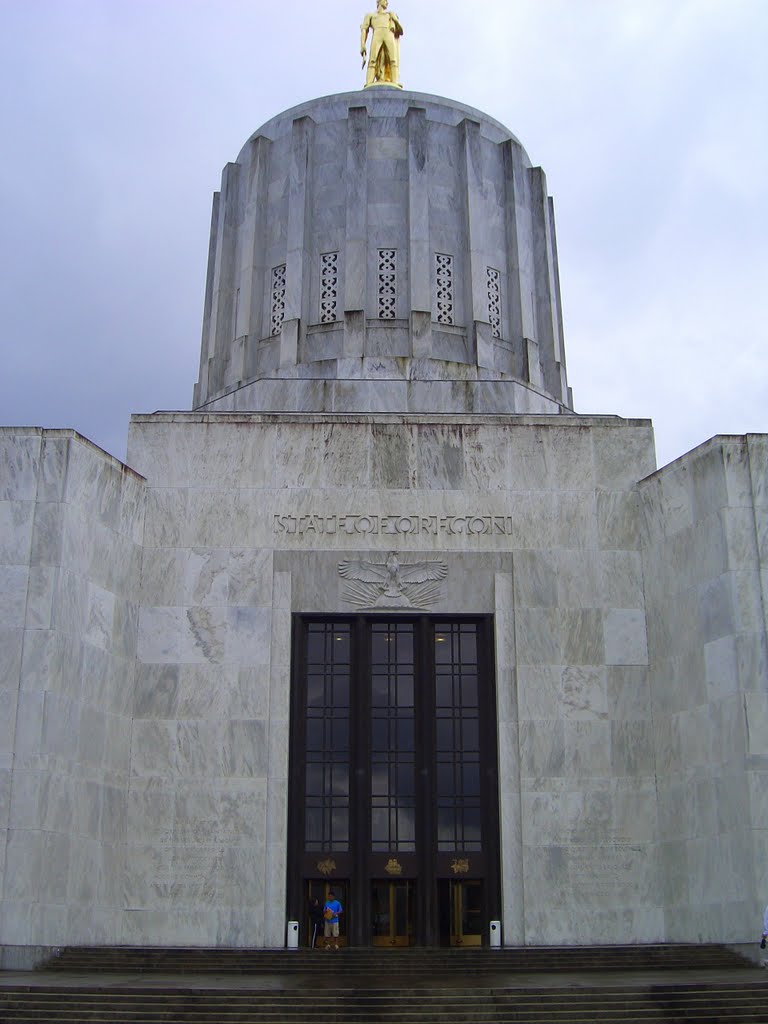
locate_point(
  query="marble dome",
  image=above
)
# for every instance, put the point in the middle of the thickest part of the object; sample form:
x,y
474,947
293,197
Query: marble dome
x,y
383,250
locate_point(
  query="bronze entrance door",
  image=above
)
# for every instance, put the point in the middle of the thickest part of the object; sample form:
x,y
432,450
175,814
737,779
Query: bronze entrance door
x,y
392,913
393,776
461,912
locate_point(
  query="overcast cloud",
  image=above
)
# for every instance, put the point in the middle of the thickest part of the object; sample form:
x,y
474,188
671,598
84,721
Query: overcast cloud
x,y
649,117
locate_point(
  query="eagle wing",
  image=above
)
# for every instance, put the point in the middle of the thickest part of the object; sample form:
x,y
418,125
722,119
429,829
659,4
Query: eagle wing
x,y
423,572
367,572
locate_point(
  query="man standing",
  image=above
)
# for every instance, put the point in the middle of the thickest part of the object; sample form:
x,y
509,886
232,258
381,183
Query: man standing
x,y
332,909
384,61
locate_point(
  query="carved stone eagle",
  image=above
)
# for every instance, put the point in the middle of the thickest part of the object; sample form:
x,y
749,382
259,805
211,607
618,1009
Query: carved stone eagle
x,y
392,584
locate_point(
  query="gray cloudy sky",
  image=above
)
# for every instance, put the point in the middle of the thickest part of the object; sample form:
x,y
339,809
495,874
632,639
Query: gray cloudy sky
x,y
648,116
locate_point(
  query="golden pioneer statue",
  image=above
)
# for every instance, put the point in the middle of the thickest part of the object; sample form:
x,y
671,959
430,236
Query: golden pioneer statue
x,y
384,61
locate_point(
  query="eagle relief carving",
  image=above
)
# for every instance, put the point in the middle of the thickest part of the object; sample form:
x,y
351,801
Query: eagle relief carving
x,y
392,584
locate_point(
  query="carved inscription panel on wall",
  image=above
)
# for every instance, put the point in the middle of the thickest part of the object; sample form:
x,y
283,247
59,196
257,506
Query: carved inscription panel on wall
x,y
362,525
602,872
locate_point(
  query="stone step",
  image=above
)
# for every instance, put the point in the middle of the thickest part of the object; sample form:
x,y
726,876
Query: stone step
x,y
108,1016
222,1010
755,1015
265,999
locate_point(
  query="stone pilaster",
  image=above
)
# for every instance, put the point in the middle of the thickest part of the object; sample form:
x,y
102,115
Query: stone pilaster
x,y
548,326
420,258
476,301
356,241
296,256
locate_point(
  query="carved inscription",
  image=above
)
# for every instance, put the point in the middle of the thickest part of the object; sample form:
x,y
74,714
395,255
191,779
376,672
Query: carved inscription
x,y
375,525
593,835
192,877
601,872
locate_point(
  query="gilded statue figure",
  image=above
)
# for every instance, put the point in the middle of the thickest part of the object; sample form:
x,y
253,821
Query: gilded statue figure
x,y
384,59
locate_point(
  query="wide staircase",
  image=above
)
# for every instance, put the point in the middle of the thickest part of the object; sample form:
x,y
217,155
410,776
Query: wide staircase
x,y
414,962
571,985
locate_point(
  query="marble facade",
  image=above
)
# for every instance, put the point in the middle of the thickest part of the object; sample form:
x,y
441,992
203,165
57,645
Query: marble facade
x,y
70,559
146,609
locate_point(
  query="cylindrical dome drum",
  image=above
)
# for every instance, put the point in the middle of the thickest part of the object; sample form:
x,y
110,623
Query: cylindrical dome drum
x,y
383,251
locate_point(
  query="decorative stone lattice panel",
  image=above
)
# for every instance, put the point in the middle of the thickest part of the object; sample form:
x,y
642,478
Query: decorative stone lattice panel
x,y
278,298
329,286
387,284
494,301
444,287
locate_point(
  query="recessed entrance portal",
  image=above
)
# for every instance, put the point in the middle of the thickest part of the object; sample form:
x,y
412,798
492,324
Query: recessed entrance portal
x,y
320,890
393,781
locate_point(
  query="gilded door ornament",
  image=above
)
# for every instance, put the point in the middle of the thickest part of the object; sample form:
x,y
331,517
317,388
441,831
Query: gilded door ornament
x,y
384,59
392,584
393,866
326,867
460,865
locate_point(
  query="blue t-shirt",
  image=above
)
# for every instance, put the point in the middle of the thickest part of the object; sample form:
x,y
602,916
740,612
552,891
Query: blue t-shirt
x,y
335,907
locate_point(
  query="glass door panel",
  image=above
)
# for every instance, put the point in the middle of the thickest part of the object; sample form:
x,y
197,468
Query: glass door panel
x,y
461,912
392,905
